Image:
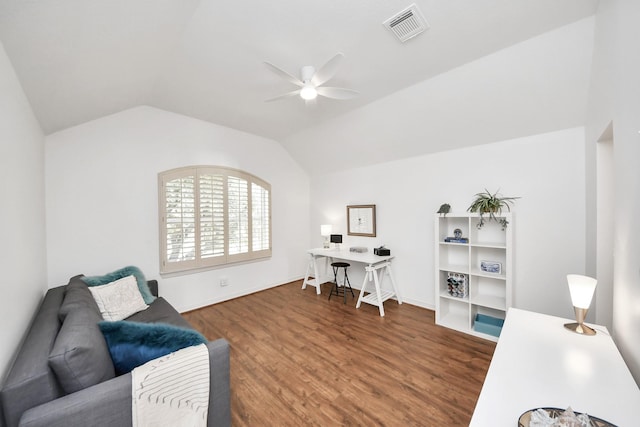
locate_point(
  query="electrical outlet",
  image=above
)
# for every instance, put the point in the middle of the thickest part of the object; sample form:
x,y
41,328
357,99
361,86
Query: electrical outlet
x,y
224,281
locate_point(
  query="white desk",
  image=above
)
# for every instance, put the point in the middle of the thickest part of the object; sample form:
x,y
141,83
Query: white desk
x,y
538,363
376,268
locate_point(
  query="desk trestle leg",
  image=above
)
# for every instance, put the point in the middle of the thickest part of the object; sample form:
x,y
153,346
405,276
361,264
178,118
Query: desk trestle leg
x,y
313,265
393,283
377,296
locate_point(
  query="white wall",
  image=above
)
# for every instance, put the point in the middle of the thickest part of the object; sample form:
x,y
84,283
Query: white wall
x,y
546,170
102,200
615,96
22,252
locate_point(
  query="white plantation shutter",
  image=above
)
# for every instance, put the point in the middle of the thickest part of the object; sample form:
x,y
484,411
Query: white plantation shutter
x,y
212,227
260,216
180,221
212,215
238,197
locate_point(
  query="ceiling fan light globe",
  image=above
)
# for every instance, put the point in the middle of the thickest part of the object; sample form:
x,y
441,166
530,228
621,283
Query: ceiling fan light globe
x,y
308,93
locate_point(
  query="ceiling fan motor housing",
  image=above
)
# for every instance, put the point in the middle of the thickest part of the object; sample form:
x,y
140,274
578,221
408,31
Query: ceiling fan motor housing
x,y
307,73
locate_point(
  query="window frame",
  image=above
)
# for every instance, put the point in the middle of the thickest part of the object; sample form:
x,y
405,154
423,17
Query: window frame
x,y
198,262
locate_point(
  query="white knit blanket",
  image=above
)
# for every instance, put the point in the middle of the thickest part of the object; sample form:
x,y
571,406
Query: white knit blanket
x,y
172,390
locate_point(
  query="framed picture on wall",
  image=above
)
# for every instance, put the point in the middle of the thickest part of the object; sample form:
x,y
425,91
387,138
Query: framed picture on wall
x,y
361,220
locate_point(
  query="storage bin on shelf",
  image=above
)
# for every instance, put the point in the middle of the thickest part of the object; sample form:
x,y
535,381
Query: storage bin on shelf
x,y
488,324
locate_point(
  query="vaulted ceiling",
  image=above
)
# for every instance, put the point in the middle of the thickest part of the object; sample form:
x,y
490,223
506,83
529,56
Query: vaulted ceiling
x,y
79,60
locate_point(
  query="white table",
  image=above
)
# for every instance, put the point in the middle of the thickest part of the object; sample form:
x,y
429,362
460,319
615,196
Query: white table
x,y
376,269
538,363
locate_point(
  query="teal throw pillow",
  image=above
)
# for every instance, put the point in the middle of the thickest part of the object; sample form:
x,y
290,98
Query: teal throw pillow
x,y
132,344
147,296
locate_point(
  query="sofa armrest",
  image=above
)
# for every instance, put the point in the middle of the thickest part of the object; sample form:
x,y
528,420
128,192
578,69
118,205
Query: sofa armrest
x,y
104,404
109,403
220,385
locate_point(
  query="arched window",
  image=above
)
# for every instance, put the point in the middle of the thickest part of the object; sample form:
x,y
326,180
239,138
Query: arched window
x,y
212,215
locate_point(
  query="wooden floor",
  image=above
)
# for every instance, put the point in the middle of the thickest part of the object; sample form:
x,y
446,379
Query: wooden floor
x,y
298,359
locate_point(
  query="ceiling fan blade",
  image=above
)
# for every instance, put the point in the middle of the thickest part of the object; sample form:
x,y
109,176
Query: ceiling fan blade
x,y
288,77
286,95
337,93
328,70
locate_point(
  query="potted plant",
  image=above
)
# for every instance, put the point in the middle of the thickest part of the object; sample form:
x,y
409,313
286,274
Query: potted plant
x,y
492,204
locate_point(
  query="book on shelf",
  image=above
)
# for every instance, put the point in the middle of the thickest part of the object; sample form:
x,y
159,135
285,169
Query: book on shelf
x,y
456,240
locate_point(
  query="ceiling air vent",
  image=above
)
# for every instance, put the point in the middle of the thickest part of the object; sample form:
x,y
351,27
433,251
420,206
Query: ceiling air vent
x,y
407,24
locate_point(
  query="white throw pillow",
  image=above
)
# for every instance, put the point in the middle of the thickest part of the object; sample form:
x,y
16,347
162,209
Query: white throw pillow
x,y
118,300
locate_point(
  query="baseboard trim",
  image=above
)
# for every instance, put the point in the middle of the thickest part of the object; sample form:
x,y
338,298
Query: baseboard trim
x,y
228,297
238,294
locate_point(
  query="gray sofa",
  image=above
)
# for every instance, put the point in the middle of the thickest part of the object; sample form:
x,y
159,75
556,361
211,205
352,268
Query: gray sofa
x,y
34,394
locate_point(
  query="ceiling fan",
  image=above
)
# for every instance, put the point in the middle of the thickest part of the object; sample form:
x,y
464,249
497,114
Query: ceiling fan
x,y
311,81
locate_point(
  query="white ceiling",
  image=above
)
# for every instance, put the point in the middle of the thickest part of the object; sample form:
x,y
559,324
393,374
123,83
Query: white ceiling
x,y
79,60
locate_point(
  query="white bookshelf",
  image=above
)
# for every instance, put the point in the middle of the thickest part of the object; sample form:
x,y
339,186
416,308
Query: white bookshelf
x,y
488,293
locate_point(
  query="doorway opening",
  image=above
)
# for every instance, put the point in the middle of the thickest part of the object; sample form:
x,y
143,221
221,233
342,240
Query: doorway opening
x,y
605,223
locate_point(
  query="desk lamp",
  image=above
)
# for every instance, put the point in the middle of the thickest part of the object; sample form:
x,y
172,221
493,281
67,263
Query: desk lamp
x,y
581,289
325,231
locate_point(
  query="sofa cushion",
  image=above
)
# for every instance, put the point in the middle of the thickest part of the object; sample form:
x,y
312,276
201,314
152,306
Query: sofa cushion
x,y
147,296
160,311
119,299
132,344
76,296
79,357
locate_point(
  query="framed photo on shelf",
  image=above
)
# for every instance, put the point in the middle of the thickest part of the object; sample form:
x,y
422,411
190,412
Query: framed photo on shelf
x,y
492,267
361,220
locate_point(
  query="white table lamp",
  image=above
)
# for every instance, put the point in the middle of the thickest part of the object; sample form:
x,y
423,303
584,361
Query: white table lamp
x,y
581,289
